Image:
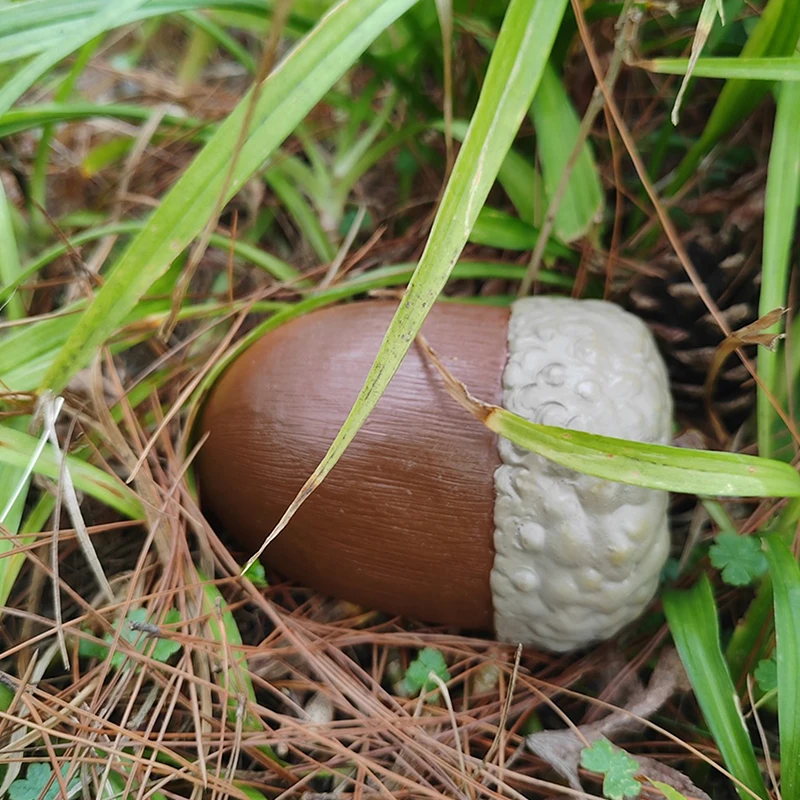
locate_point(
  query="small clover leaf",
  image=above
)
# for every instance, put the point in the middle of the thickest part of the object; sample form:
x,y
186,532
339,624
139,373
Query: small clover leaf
x,y
767,674
428,660
36,778
739,557
617,767
136,638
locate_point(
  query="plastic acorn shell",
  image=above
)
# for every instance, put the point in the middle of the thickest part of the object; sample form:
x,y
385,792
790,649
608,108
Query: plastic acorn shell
x,y
428,514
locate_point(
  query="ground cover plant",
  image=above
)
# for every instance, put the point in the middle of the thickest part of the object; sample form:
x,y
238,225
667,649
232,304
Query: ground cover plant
x,y
178,177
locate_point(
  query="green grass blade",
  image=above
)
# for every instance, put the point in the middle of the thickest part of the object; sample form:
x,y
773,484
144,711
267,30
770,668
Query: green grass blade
x,y
32,27
10,267
13,490
287,96
104,20
515,68
223,39
776,34
11,563
18,120
304,216
692,618
520,180
746,645
786,587
785,68
674,469
557,127
223,629
780,213
16,448
523,185
496,228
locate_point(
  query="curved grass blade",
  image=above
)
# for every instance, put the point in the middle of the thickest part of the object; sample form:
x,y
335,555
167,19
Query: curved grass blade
x,y
557,129
515,68
10,268
18,120
784,68
780,213
692,618
496,228
786,587
674,469
292,90
11,563
33,26
16,448
236,679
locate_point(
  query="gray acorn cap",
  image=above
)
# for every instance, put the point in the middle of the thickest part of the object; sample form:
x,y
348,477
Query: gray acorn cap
x,y
577,557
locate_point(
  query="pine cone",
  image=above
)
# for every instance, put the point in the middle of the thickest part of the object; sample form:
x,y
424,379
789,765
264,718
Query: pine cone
x,y
688,335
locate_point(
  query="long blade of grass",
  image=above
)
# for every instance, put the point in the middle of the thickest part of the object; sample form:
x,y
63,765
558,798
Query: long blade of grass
x,y
10,268
236,679
35,26
786,587
496,228
22,119
692,618
780,213
557,129
11,563
512,77
753,69
16,448
673,469
14,484
292,90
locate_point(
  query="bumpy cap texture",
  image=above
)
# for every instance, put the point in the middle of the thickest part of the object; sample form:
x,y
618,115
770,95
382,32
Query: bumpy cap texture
x,y
577,557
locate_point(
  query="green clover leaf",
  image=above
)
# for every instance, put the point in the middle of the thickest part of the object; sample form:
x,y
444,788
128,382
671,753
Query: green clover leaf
x,y
617,767
36,778
739,557
428,660
138,640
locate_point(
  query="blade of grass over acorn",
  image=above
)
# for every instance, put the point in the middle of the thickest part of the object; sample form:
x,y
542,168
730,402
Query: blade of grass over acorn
x,y
222,222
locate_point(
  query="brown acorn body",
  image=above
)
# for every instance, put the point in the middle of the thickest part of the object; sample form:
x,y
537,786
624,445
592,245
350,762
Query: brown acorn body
x,y
405,519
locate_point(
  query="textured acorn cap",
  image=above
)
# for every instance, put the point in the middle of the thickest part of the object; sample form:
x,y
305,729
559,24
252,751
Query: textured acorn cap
x,y
577,557
427,514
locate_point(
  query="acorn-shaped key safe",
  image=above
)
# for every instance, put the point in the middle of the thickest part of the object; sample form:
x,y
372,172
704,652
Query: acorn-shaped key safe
x,y
429,514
